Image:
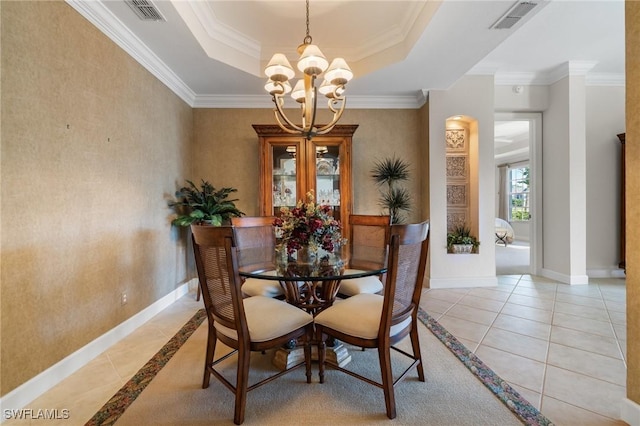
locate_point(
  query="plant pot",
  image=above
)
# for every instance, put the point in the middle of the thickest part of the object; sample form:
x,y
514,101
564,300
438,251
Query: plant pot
x,y
462,248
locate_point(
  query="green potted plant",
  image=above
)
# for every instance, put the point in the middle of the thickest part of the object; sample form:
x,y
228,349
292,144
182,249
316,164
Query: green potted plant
x,y
204,205
395,199
460,240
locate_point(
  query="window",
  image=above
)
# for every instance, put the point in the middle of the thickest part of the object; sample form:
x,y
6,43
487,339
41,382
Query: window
x,y
519,194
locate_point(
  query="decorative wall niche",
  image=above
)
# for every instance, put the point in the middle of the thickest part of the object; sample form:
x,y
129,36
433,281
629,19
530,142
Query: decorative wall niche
x,y
457,140
461,138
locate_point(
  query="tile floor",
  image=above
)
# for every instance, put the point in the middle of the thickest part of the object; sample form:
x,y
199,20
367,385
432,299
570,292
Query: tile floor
x,y
562,347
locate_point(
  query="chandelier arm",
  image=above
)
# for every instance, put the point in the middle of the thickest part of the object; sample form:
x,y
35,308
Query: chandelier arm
x,y
283,127
336,116
279,113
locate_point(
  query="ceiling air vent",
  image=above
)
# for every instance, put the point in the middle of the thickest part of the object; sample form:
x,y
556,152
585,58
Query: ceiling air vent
x,y
514,15
145,10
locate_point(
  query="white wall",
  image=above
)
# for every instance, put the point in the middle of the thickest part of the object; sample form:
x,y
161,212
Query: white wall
x,y
605,119
471,96
564,182
527,99
605,111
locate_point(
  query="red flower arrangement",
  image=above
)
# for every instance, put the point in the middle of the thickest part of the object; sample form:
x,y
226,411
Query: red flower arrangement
x,y
308,225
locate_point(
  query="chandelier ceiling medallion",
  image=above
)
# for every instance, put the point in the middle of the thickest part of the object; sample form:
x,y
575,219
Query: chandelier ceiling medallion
x,y
312,63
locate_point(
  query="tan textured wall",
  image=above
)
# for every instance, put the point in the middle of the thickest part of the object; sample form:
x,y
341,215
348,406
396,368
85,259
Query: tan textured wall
x,y
226,152
424,155
91,146
632,152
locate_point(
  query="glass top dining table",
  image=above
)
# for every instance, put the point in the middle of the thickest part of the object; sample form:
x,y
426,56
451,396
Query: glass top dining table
x,y
312,284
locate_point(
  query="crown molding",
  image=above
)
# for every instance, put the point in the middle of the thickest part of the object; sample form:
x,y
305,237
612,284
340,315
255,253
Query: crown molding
x,y
264,101
545,79
221,32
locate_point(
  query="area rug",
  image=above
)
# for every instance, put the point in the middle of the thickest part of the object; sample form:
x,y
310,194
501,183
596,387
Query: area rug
x,y
125,397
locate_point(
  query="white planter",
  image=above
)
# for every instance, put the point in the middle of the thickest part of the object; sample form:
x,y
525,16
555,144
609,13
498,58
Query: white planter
x,y
462,248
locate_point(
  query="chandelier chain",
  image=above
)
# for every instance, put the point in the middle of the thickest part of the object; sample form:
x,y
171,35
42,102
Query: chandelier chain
x,y
307,39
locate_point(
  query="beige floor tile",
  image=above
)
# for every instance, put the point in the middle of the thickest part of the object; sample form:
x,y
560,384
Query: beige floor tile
x,y
514,369
533,398
623,348
526,312
599,314
518,344
482,303
491,293
469,344
615,306
614,296
435,306
542,293
524,326
81,407
128,361
563,414
618,317
621,331
97,373
463,329
507,282
583,391
586,341
452,295
588,363
580,300
601,328
590,290
536,279
532,302
469,313
537,286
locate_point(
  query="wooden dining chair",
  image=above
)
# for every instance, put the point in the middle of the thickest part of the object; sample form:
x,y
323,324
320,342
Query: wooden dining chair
x,y
381,321
249,324
257,231
366,231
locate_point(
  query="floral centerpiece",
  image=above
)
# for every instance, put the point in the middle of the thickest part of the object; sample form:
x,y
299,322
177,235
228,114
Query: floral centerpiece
x,y
308,225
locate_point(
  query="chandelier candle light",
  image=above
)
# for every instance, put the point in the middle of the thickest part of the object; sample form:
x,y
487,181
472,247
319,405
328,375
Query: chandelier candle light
x,y
312,63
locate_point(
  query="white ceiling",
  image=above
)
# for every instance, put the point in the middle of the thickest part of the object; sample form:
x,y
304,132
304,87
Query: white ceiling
x,y
211,53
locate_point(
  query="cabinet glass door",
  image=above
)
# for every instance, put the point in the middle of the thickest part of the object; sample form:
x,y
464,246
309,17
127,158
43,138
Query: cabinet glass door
x,y
284,178
327,176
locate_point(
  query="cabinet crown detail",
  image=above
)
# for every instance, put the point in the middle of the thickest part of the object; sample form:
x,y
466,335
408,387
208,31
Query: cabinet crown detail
x,y
275,130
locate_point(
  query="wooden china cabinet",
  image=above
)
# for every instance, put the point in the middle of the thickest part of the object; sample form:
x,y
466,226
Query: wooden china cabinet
x,y
291,166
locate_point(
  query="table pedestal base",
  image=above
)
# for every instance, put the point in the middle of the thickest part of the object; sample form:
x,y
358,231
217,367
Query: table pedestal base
x,y
285,358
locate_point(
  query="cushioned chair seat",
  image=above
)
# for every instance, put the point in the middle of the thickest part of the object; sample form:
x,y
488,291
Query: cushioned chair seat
x,y
358,316
268,318
355,286
258,287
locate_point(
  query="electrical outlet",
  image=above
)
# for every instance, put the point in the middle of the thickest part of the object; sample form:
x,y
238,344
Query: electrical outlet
x,y
123,298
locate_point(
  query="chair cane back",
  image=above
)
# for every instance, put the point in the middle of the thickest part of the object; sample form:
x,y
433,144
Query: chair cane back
x,y
381,321
244,324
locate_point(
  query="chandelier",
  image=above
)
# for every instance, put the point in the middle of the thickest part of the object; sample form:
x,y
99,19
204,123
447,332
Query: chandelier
x,y
312,63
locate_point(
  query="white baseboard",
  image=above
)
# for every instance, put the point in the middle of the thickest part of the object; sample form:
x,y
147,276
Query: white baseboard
x,y
36,386
606,273
567,279
491,281
630,412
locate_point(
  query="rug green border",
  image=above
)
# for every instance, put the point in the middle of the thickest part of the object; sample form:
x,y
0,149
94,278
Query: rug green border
x,y
116,406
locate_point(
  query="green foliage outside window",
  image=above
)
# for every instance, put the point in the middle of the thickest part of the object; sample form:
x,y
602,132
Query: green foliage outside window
x,y
519,194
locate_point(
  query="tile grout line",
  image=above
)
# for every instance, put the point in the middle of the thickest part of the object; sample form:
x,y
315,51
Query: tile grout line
x,y
546,358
